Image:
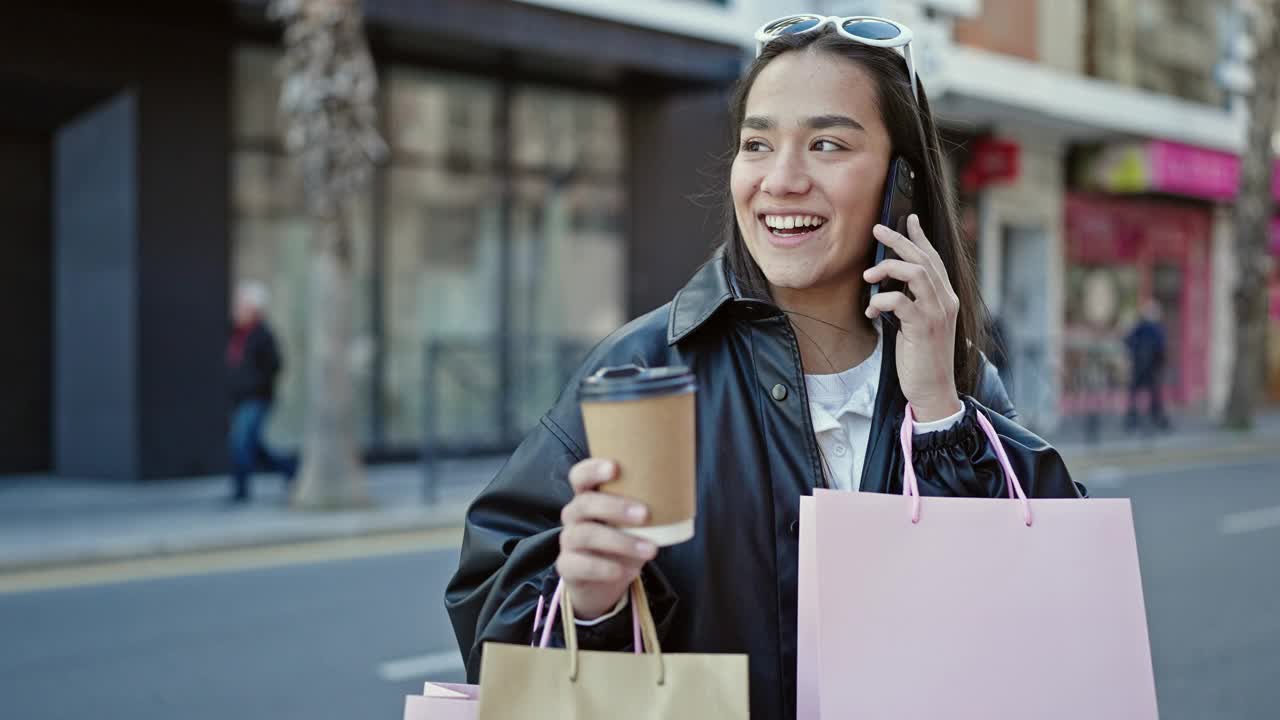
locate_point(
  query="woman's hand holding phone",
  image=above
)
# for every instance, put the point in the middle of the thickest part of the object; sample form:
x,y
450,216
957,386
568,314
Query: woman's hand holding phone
x,y
927,319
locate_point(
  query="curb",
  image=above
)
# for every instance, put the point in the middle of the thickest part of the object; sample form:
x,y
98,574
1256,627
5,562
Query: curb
x,y
294,529
145,547
1083,460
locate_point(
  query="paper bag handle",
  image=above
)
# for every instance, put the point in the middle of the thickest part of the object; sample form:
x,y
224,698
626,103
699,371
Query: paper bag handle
x,y
642,624
637,640
911,485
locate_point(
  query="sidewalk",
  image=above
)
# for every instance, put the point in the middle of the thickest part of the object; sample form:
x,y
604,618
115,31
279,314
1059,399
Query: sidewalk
x,y
1192,439
49,521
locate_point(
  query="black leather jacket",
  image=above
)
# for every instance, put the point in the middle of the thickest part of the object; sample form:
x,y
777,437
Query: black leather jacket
x,y
732,588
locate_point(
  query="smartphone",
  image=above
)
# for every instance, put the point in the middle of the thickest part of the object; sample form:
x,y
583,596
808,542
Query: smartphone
x,y
899,189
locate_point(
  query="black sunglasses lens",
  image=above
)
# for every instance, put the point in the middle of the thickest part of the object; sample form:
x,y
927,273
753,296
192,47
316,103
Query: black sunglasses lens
x,y
872,29
792,26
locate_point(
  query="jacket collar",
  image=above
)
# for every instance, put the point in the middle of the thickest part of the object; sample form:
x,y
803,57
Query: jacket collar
x,y
706,292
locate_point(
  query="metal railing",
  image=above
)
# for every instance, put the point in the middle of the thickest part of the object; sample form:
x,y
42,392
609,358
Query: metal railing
x,y
482,395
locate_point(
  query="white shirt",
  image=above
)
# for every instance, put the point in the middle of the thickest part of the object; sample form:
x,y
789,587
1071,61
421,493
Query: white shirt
x,y
842,406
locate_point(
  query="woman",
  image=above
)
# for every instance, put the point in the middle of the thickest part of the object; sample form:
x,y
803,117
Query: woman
x,y
796,374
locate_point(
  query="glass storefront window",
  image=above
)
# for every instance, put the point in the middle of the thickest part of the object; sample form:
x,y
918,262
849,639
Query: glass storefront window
x,y
568,265
443,258
1101,303
559,130
450,228
447,246
567,282
441,295
441,119
257,94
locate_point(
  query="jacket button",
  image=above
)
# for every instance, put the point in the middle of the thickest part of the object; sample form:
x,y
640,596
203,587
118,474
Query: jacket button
x,y
779,392
795,528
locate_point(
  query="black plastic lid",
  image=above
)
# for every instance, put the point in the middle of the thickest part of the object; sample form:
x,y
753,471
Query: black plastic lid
x,y
630,382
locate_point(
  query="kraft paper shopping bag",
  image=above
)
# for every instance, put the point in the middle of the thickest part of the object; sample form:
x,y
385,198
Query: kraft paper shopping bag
x,y
524,683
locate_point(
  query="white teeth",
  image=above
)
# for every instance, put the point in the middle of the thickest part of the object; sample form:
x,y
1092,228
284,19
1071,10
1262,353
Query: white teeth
x,y
791,222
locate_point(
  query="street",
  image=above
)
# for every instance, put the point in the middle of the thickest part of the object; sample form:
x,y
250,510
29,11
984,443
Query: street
x,y
301,641
343,639
1208,538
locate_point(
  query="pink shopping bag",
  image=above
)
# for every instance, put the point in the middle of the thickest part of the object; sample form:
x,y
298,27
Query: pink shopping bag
x,y
970,608
443,701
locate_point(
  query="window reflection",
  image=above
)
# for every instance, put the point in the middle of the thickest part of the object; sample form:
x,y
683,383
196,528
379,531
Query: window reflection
x,y
441,294
559,130
441,119
450,228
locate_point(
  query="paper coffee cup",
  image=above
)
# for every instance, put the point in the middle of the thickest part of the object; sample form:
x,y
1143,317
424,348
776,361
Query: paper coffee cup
x,y
644,420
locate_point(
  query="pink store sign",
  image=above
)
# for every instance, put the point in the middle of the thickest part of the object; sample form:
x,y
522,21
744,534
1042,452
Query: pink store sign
x,y
1199,172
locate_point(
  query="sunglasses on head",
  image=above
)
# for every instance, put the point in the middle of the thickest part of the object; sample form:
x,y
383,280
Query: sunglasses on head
x,y
865,29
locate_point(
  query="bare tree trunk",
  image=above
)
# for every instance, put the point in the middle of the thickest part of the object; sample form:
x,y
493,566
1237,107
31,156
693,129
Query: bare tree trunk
x,y
331,476
1253,213
329,111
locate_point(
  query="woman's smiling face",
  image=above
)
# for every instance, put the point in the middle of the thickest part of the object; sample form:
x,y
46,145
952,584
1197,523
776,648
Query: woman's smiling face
x,y
808,176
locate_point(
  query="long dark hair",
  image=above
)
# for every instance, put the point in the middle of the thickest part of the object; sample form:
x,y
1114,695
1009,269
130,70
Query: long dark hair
x,y
915,137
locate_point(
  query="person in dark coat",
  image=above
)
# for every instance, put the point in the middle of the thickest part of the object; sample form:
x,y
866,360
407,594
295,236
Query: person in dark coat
x,y
1147,352
802,383
253,363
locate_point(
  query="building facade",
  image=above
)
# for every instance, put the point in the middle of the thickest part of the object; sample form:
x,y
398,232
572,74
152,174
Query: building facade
x,y
536,196
1105,128
553,172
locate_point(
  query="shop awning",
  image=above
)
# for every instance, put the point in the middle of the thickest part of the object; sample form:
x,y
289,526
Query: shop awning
x,y
980,88
1162,166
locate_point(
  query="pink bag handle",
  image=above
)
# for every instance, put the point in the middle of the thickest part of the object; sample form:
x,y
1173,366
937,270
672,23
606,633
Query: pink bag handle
x,y
636,635
911,485
642,625
537,617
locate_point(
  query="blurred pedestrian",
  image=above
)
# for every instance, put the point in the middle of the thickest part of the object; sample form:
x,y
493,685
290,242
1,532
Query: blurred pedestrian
x,y
1146,343
254,362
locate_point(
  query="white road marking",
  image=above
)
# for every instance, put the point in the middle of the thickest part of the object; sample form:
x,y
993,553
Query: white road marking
x,y
1251,521
420,666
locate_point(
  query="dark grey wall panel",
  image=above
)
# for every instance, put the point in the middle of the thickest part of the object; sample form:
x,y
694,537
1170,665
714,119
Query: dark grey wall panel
x,y
184,260
26,298
63,60
675,209
95,326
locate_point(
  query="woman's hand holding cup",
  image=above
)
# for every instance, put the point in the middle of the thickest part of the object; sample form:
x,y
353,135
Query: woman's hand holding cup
x,y
598,561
